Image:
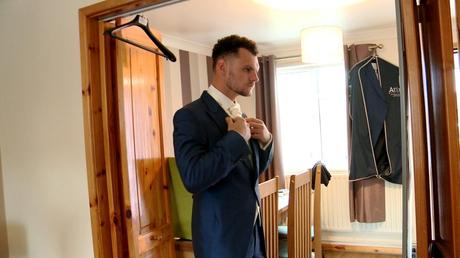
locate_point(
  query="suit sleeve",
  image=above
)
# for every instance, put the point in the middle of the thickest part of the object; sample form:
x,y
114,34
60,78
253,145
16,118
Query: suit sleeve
x,y
265,157
199,166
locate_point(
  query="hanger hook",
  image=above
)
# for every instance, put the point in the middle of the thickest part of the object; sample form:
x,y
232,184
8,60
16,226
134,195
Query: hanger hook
x,y
374,48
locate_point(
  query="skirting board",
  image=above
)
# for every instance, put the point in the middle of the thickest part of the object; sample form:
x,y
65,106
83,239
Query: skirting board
x,y
184,247
338,247
364,238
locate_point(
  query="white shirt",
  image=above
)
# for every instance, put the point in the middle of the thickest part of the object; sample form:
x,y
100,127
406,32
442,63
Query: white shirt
x,y
220,98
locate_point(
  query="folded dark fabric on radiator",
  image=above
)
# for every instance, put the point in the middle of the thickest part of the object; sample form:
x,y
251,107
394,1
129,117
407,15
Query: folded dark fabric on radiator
x,y
325,175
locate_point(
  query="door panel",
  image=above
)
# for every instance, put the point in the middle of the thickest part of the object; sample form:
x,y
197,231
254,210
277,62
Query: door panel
x,y
439,118
145,193
147,144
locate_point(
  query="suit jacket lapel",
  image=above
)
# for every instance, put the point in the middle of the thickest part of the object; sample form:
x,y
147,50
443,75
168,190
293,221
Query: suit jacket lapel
x,y
218,116
215,111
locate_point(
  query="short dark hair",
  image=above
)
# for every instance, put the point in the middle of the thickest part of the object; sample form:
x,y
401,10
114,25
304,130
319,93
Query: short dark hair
x,y
229,45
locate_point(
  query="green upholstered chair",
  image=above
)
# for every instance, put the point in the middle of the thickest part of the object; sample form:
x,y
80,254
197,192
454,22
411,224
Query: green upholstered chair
x,y
181,204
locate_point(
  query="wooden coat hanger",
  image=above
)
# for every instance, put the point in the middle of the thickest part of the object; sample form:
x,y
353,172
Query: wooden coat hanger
x,y
142,23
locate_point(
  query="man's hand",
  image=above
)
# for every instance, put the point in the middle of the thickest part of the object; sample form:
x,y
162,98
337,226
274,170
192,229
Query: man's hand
x,y
239,125
259,131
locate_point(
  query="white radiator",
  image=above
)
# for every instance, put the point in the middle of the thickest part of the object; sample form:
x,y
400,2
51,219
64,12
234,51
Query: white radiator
x,y
335,218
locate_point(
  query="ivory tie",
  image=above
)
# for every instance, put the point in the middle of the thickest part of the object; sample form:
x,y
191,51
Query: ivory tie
x,y
235,110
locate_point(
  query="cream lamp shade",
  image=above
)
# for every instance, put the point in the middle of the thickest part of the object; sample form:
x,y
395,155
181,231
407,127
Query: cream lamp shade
x,y
322,45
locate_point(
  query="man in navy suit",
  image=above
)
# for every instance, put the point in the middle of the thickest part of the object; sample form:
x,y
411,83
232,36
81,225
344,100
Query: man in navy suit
x,y
220,156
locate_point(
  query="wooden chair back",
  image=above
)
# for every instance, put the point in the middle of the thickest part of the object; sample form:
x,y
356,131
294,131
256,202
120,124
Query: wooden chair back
x,y
299,220
317,213
269,214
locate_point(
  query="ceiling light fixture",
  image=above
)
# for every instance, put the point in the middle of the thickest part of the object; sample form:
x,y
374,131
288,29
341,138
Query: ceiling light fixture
x,y
322,45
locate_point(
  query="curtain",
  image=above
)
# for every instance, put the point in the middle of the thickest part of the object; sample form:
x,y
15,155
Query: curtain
x,y
367,196
266,109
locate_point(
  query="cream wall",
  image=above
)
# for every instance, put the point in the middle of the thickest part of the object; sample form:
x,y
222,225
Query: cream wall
x,y
41,130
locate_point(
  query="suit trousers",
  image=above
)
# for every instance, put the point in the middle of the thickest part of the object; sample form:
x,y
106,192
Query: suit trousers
x,y
256,247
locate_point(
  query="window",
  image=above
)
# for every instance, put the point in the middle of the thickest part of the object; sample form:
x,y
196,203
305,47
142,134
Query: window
x,y
312,116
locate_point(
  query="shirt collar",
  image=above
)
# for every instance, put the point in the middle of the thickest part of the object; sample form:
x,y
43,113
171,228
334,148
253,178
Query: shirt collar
x,y
218,96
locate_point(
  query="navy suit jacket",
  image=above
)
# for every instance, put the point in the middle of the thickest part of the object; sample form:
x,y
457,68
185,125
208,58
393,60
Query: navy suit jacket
x,y
375,109
214,165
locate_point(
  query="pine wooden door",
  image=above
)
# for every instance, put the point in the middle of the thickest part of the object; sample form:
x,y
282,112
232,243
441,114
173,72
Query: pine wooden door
x,y
145,199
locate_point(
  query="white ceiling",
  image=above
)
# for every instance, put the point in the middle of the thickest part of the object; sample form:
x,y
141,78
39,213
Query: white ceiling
x,y
205,21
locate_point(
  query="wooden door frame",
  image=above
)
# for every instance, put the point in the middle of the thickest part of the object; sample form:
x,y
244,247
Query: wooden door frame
x,y
415,96
98,118
443,133
432,93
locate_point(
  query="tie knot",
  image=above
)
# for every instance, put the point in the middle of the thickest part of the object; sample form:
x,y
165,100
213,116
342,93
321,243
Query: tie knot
x,y
235,110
